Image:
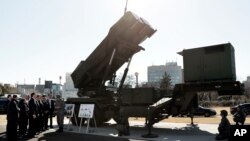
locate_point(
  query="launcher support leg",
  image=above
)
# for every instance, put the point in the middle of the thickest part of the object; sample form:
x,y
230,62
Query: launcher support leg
x,y
149,134
149,124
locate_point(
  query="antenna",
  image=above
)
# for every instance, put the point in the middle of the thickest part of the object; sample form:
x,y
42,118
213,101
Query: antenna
x,y
125,9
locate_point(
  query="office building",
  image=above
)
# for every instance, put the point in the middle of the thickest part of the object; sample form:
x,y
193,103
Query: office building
x,y
155,73
69,90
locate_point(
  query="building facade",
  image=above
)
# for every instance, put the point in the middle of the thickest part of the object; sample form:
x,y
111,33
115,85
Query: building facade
x,y
47,88
247,86
175,72
155,73
26,88
56,89
69,85
39,88
68,89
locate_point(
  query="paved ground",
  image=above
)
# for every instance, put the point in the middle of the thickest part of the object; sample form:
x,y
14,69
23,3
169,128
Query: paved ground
x,y
165,131
172,129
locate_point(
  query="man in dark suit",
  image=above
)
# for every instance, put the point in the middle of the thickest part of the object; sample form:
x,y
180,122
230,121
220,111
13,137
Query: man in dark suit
x,y
239,117
9,97
51,110
40,117
12,119
23,116
32,115
46,111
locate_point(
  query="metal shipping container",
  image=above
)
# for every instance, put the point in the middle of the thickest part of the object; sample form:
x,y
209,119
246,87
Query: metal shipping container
x,y
210,63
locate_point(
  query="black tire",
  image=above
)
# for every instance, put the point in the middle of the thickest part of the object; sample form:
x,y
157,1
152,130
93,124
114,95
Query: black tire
x,y
116,119
207,114
99,117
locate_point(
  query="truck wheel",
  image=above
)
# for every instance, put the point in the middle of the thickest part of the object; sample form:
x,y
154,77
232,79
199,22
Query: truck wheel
x,y
99,117
116,119
207,114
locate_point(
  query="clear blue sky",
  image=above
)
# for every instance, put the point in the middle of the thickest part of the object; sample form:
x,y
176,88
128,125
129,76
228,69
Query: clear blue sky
x,y
47,38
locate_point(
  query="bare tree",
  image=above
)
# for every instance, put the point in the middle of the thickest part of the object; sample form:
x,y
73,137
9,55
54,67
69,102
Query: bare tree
x,y
3,90
129,81
165,82
7,89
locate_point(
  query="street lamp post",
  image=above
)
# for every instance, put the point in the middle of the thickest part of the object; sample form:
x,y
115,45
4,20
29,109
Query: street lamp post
x,y
60,79
136,83
60,85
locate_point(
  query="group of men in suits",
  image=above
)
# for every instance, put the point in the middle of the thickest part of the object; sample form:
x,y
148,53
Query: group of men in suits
x,y
29,114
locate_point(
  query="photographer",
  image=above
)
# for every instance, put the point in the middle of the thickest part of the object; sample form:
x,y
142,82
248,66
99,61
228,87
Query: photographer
x,y
224,126
239,117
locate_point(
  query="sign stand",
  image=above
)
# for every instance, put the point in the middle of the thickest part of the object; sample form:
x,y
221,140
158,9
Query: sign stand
x,y
69,112
88,121
75,119
95,122
86,111
72,119
87,129
80,125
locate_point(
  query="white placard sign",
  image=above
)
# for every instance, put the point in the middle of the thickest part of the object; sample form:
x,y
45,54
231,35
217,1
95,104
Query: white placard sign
x,y
69,108
86,110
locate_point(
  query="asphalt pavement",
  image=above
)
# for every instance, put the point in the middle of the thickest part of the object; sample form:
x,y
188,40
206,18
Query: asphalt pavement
x,y
165,131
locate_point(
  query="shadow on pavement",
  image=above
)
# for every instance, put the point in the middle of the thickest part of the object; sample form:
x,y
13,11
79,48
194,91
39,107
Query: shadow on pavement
x,y
183,134
187,130
69,136
187,133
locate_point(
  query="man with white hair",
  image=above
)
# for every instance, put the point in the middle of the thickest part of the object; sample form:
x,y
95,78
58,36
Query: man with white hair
x,y
59,107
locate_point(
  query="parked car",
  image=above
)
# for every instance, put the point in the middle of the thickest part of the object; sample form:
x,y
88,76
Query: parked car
x,y
202,111
244,107
3,105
